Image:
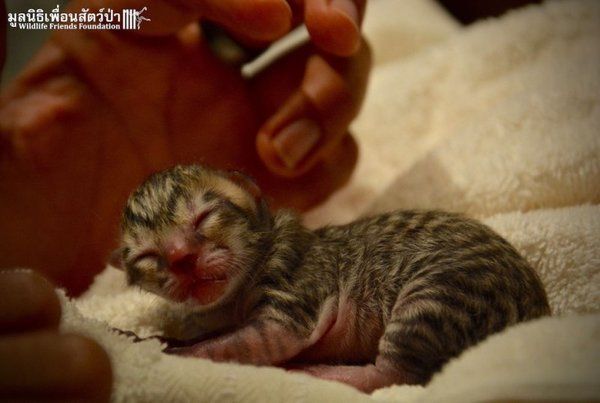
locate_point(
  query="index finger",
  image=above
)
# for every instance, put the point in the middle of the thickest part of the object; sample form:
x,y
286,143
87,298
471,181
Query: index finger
x,y
334,25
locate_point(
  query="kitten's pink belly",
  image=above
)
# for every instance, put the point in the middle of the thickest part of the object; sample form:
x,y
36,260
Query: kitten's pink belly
x,y
345,340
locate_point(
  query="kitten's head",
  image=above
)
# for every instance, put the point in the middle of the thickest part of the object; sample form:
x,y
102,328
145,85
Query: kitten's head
x,y
193,233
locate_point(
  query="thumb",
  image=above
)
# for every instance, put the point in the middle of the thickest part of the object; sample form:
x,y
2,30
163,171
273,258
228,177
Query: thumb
x,y
314,120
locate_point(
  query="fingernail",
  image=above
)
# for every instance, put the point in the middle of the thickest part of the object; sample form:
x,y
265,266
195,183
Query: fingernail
x,y
346,7
295,141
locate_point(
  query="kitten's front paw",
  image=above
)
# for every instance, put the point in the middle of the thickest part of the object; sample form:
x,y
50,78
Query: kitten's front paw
x,y
187,351
175,350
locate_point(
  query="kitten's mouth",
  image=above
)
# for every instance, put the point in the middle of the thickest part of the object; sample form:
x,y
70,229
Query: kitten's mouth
x,y
205,283
207,289
203,289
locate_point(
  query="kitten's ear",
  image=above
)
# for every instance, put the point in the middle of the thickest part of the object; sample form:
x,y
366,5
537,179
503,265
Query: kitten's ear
x,y
116,259
248,184
245,182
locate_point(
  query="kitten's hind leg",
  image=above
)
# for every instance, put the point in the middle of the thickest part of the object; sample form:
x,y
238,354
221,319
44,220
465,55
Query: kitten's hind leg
x,y
260,342
420,336
428,326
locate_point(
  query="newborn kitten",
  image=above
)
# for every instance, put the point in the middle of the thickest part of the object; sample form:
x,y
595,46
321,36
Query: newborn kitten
x,y
386,299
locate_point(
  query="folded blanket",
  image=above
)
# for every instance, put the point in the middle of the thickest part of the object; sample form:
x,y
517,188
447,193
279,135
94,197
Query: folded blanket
x,y
499,121
563,245
510,109
551,359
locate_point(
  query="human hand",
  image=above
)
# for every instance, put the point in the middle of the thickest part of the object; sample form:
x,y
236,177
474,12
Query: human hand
x,y
36,361
98,111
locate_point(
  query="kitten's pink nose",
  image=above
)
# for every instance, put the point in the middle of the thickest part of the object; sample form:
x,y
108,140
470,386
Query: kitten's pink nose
x,y
180,258
185,263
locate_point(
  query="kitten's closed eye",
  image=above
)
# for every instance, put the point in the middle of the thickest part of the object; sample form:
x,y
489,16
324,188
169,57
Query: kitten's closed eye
x,y
201,218
147,258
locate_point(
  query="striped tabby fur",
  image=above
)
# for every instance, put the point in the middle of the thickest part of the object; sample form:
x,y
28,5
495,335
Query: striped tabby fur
x,y
416,287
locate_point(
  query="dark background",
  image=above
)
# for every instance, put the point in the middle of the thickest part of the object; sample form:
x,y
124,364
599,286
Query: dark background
x,y
467,11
